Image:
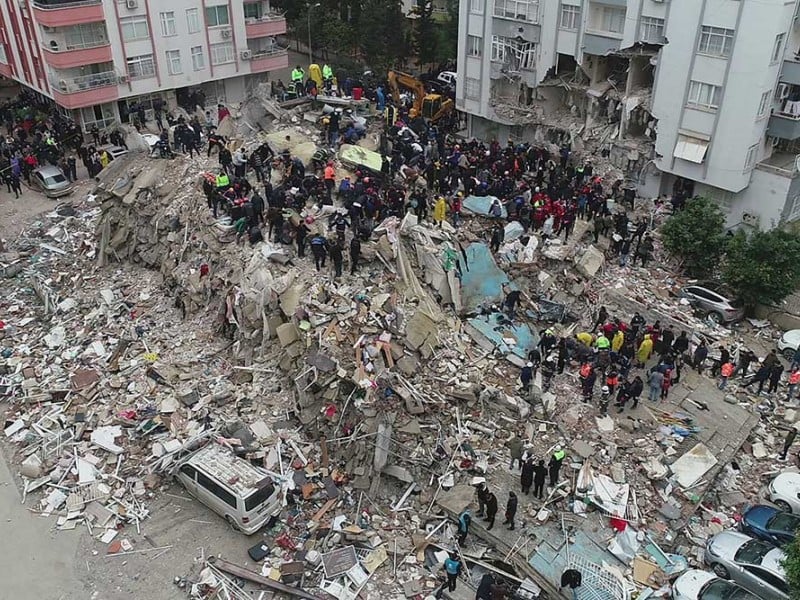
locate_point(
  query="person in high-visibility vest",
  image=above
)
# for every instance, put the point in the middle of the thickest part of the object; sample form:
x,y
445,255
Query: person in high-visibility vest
x,y
223,181
298,75
555,464
327,77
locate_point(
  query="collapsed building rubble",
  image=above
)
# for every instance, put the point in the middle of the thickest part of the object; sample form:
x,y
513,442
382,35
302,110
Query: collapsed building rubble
x,y
137,329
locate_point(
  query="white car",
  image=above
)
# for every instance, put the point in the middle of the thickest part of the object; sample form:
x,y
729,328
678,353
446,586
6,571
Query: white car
x,y
788,343
447,77
784,492
704,585
150,139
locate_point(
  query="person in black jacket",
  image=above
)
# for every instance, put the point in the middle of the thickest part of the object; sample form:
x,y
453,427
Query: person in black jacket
x,y
539,477
511,510
526,475
491,509
337,257
355,254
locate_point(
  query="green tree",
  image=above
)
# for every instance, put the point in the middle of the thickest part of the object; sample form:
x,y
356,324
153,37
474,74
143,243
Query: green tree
x,y
425,39
696,235
447,44
763,267
791,566
382,35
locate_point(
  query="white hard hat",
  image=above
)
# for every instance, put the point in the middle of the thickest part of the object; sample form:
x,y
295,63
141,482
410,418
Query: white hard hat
x,y
530,364
605,388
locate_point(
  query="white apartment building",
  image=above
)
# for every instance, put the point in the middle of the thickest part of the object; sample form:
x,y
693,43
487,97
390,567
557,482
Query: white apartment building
x,y
699,93
97,58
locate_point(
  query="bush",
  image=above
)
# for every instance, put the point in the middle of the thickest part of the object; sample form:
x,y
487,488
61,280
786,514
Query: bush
x,y
696,235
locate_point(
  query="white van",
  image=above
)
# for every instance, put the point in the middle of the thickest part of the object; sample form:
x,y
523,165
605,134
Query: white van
x,y
232,487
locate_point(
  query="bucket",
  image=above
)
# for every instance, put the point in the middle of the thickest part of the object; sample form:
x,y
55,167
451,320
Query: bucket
x,y
357,91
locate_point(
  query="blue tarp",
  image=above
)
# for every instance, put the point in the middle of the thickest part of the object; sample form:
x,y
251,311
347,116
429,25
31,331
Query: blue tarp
x,y
479,205
495,327
481,278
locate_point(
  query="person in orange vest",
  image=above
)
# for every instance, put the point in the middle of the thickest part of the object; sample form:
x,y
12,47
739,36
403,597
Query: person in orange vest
x,y
330,178
725,371
794,381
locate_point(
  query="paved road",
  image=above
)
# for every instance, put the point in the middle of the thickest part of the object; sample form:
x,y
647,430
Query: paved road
x,y
37,562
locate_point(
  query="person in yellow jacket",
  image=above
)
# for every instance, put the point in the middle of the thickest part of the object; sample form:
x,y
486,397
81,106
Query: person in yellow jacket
x,y
645,350
440,210
617,341
585,338
104,159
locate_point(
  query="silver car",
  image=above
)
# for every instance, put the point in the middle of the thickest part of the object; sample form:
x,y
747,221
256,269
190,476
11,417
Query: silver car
x,y
715,306
753,564
51,181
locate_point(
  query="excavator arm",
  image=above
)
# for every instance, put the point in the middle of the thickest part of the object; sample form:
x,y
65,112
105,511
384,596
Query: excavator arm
x,y
399,80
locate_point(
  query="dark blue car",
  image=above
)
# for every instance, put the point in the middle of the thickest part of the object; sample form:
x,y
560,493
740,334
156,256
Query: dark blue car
x,y
770,524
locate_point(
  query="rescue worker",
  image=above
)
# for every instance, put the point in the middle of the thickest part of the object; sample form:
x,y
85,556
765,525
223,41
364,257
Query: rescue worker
x,y
223,181
298,75
555,464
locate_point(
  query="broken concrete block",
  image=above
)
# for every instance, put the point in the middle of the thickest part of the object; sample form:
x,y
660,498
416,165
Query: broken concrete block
x,y
105,438
589,264
618,474
287,334
759,450
31,467
790,416
408,365
582,449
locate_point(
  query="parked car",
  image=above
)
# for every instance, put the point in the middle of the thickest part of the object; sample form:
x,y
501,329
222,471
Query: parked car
x,y
51,181
716,305
770,524
784,492
753,564
232,487
703,585
788,343
447,77
114,152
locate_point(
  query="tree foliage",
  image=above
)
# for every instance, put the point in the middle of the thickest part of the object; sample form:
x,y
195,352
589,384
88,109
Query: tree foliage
x,y
791,566
763,267
382,36
447,34
696,235
425,38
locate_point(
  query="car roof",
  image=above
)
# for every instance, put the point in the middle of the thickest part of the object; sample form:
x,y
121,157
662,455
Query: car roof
x,y
228,469
772,561
692,581
760,514
787,482
727,543
49,171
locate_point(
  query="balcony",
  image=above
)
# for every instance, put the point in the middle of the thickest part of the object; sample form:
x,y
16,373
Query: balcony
x,y
86,90
87,54
601,43
269,60
790,72
60,13
270,24
517,10
784,125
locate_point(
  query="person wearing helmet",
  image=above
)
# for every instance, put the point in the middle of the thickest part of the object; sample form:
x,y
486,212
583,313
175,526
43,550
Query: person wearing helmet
x,y
526,376
555,464
605,398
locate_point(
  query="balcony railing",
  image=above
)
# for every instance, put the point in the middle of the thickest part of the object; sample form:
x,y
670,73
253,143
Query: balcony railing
x,y
85,45
59,4
70,85
266,53
266,18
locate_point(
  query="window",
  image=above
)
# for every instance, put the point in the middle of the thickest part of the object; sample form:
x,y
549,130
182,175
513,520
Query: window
x,y
3,57
715,41
217,16
765,102
216,489
221,53
777,49
515,54
704,95
253,10
198,60
472,88
750,160
474,45
570,16
101,115
140,67
189,471
521,10
651,29
476,6
691,149
167,23
611,19
174,62
258,498
134,28
193,20
89,35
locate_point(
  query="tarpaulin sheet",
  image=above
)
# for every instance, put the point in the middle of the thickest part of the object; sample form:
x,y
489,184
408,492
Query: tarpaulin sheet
x,y
356,155
482,279
479,205
515,339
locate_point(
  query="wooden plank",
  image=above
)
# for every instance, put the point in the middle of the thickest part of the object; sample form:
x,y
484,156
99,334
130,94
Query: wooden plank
x,y
323,447
236,570
325,508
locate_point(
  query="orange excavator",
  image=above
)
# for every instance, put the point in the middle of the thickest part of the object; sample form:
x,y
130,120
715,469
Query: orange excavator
x,y
431,106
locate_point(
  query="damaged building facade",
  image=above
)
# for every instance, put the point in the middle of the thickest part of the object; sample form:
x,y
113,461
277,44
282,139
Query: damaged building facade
x,y
702,96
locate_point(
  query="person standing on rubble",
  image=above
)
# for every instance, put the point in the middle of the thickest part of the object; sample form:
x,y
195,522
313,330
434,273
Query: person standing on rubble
x,y
636,389
725,371
555,464
511,510
355,254
464,520
775,373
700,354
787,443
452,566
440,211
655,380
319,251
301,232
481,492
511,299
526,376
794,383
539,479
515,446
645,350
491,509
526,475
335,251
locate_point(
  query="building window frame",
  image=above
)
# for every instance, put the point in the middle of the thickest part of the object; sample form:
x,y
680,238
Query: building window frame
x,y
764,104
218,15
137,26
198,58
474,46
174,66
227,50
704,95
570,17
477,7
519,10
716,41
193,24
651,29
168,25
777,48
472,88
750,158
142,66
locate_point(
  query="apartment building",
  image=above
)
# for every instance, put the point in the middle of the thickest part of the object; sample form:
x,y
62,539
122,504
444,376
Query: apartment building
x,y
701,94
97,58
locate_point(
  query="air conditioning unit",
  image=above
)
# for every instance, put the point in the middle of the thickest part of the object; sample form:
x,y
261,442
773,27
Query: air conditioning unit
x,y
783,91
225,33
123,79
246,54
132,4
